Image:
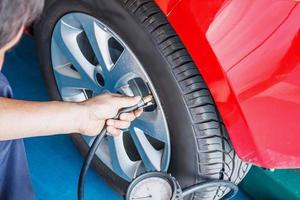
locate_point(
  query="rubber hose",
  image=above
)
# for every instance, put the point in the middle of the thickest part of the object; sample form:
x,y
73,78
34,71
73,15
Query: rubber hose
x,y
213,183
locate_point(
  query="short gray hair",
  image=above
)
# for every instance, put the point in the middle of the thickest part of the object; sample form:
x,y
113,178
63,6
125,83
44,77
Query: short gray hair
x,y
17,13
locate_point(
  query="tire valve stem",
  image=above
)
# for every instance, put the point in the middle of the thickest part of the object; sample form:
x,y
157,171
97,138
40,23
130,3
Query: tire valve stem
x,y
146,101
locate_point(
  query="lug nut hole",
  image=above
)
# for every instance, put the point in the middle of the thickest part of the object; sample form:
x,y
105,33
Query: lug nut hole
x,y
100,79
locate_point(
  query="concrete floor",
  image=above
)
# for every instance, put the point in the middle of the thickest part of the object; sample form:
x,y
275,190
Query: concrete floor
x,y
54,161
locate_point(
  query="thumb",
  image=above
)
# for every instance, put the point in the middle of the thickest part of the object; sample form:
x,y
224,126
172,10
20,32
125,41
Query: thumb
x,y
125,101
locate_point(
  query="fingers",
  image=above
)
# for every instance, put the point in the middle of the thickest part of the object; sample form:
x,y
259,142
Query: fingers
x,y
114,126
125,101
138,112
118,124
113,131
131,116
127,116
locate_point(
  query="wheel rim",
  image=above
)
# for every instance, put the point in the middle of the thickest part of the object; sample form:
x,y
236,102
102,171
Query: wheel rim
x,y
88,59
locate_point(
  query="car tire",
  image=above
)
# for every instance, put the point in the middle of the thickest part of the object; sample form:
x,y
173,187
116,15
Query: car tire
x,y
200,146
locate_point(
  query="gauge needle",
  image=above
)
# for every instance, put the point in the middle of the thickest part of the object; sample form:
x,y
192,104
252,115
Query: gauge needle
x,y
149,196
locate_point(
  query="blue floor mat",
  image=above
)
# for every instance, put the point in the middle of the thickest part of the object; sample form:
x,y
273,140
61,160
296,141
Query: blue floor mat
x,y
54,161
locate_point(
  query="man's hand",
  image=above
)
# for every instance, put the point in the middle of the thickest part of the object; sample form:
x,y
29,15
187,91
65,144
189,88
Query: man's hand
x,y
56,117
99,110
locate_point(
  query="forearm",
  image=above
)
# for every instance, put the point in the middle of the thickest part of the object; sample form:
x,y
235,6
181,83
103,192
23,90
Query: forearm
x,y
21,119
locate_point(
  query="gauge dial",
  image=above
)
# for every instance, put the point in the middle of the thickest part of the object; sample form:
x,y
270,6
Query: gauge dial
x,y
152,186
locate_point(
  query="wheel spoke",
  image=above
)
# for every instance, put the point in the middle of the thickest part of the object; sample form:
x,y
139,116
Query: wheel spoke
x,y
121,163
152,124
150,156
98,38
125,68
67,77
65,37
65,81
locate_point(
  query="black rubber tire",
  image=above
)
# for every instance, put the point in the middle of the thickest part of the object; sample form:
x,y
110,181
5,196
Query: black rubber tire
x,y
201,148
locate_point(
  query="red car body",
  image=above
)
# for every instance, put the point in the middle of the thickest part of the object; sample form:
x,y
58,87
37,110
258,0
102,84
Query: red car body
x,y
248,52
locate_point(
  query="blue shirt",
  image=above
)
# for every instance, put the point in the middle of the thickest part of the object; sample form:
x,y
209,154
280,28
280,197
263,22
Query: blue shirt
x,y
15,182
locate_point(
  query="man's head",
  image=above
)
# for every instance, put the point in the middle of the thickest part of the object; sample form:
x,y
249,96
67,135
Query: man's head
x,y
14,16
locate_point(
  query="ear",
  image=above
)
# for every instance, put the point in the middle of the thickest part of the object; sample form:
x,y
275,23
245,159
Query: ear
x,y
1,58
14,41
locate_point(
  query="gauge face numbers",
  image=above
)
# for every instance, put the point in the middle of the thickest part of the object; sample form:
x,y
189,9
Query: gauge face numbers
x,y
152,188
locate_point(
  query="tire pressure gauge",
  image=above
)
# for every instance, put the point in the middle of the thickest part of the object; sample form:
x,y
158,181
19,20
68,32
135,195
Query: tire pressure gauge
x,y
162,186
154,186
